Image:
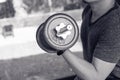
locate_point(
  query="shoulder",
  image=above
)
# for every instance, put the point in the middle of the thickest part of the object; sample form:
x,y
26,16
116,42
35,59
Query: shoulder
x,y
115,14
85,11
112,20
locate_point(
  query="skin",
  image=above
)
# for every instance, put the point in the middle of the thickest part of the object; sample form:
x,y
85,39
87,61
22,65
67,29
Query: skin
x,y
98,69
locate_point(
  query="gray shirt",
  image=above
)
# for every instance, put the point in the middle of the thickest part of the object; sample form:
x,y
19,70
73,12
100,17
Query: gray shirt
x,y
101,39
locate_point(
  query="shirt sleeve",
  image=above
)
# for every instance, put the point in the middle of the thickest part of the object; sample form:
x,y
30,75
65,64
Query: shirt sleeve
x,y
108,46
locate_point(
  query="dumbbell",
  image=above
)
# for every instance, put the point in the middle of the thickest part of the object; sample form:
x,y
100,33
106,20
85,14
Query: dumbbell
x,y
59,32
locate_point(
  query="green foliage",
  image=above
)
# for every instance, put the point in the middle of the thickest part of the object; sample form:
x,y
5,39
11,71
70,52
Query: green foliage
x,y
44,5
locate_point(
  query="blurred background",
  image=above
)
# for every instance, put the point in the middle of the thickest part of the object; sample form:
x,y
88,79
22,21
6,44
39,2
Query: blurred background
x,y
20,56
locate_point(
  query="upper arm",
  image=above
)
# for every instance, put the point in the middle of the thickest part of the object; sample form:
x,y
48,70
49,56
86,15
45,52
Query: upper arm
x,y
107,51
103,68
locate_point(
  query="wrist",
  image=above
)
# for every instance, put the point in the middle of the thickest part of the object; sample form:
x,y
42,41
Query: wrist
x,y
60,52
64,52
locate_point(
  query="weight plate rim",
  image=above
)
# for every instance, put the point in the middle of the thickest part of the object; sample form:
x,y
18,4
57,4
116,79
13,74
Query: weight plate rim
x,y
59,47
39,41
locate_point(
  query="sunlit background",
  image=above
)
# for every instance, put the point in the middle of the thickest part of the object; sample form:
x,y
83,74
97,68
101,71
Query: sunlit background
x,y
20,56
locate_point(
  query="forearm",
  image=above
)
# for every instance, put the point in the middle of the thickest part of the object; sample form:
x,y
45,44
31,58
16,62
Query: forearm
x,y
82,68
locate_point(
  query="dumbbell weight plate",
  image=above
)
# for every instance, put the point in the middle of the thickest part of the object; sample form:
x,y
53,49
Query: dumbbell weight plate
x,y
41,41
50,36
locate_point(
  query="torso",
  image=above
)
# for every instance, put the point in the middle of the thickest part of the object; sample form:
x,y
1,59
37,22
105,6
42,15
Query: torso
x,y
90,33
